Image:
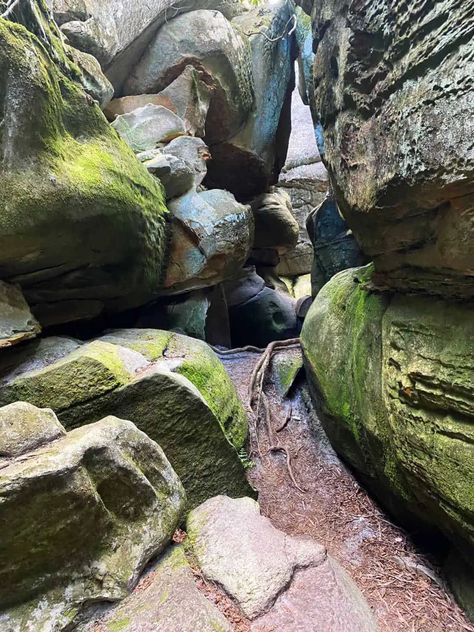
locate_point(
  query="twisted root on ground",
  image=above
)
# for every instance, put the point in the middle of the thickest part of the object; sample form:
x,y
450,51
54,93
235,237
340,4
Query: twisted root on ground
x,y
260,406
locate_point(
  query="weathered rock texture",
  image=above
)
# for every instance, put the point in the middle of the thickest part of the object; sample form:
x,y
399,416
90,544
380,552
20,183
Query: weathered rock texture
x,y
223,58
81,514
334,245
211,236
394,377
166,600
394,84
118,32
304,177
280,582
81,221
249,161
17,323
172,387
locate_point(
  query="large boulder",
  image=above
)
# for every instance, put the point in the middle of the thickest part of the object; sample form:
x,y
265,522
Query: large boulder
x,y
188,96
66,174
275,226
17,323
81,514
118,32
248,162
394,377
211,236
394,90
280,582
167,599
334,246
269,315
172,387
149,127
207,41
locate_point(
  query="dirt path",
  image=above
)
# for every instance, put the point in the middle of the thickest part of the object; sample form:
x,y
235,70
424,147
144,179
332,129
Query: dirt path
x,y
398,581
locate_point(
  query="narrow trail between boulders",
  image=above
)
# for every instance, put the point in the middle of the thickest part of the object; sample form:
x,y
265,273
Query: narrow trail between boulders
x,y
305,489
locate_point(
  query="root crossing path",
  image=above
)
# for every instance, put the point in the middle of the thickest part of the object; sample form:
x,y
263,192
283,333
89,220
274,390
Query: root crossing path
x,y
306,490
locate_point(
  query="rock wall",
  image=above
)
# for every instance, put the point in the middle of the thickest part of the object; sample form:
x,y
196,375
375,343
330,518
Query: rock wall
x,y
392,370
393,90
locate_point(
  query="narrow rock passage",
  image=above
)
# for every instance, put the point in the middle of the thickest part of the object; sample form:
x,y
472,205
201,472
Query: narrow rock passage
x,y
306,490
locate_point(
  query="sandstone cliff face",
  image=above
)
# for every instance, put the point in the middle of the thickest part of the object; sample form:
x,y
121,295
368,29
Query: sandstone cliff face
x,y
394,85
392,370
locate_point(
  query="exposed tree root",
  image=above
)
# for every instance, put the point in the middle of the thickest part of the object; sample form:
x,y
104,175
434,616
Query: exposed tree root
x,y
259,403
280,448
237,350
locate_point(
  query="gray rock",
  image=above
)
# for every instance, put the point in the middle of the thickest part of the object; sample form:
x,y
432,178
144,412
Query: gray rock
x,y
175,175
24,427
335,247
80,518
275,226
244,287
148,127
194,152
249,161
281,582
66,173
118,32
172,387
240,549
269,315
224,58
404,178
93,80
211,239
166,600
188,96
17,323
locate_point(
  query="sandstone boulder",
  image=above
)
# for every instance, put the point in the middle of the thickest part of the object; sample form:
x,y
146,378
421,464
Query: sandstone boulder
x,y
149,127
17,323
222,57
280,582
249,161
334,245
166,600
393,375
80,515
65,173
118,32
172,387
267,316
188,96
275,226
211,237
403,113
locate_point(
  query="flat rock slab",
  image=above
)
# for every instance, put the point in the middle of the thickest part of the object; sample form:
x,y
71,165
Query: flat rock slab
x,y
282,583
241,550
166,600
319,599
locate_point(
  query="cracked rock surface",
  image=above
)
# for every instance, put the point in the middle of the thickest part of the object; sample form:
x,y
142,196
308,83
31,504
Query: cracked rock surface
x,y
280,581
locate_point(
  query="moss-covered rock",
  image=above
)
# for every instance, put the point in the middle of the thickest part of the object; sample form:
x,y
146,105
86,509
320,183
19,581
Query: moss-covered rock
x,y
80,517
172,387
168,600
81,220
17,323
394,378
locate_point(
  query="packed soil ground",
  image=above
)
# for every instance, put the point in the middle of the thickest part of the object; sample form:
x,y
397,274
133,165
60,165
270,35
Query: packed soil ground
x,y
305,489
